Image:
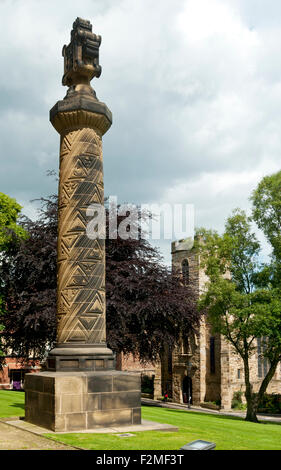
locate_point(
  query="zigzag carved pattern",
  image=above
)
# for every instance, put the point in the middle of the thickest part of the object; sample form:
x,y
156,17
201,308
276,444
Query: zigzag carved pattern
x,y
81,261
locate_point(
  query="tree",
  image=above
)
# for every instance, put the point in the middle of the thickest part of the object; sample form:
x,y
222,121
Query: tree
x,y
147,306
11,233
10,230
28,273
237,307
266,199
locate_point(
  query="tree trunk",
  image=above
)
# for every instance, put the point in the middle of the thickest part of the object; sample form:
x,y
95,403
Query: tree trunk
x,y
267,378
251,398
252,406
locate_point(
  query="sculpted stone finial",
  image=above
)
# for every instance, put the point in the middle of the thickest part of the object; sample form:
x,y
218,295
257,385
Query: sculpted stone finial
x,y
81,56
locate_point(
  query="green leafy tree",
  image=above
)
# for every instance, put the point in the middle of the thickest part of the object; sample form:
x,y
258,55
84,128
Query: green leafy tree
x,y
10,235
238,307
266,199
10,230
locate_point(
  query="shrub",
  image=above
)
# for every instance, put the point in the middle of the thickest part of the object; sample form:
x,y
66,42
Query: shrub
x,y
237,403
271,403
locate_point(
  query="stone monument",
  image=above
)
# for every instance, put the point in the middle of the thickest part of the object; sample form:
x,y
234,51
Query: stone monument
x,y
81,388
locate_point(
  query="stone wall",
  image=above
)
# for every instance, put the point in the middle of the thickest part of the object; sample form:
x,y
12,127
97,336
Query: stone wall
x,y
230,382
131,363
191,362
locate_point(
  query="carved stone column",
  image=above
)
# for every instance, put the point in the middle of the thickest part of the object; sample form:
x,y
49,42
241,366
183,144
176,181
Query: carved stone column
x,y
81,389
81,260
81,121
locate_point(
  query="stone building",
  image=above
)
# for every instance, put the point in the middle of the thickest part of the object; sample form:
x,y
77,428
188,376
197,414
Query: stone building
x,y
205,367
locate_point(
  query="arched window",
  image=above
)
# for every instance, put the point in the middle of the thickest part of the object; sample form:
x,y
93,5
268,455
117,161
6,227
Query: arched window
x,y
185,271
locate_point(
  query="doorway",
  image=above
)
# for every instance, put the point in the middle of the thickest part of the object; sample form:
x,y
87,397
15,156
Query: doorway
x,y
17,378
187,390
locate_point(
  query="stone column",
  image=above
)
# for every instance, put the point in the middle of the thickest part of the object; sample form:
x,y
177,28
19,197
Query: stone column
x,y
81,121
81,260
81,390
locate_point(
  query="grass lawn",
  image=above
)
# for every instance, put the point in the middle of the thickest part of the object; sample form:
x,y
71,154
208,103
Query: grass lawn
x,y
11,403
229,433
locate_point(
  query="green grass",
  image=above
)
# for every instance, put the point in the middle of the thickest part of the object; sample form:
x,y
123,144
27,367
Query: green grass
x,y
229,433
11,403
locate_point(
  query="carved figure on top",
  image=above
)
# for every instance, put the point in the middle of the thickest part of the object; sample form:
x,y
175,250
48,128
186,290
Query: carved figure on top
x,y
81,56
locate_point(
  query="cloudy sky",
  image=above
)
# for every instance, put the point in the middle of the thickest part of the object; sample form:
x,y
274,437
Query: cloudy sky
x,y
194,87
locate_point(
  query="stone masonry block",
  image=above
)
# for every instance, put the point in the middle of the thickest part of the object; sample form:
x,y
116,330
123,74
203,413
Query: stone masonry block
x,y
121,400
126,382
109,418
100,383
67,384
73,401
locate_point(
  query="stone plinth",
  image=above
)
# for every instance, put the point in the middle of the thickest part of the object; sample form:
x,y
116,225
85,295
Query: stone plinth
x,y
63,401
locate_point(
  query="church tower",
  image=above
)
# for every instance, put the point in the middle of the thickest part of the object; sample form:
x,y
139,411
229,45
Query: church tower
x,y
191,373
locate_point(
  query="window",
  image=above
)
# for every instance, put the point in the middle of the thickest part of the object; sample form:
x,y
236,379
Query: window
x,y
170,360
185,345
263,363
239,373
212,355
185,271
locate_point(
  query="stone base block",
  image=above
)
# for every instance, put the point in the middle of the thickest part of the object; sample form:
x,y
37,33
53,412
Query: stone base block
x,y
83,363
62,401
88,358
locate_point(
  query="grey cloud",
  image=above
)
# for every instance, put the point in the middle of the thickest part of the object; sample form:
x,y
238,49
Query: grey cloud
x,y
184,103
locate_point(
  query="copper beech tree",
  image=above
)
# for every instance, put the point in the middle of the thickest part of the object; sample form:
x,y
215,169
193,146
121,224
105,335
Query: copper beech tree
x,y
148,307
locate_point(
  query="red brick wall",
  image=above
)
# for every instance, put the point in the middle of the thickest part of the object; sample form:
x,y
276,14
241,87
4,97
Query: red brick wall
x,y
12,364
132,364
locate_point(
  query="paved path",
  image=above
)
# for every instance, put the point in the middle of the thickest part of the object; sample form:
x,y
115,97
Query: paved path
x,y
12,438
240,414
144,426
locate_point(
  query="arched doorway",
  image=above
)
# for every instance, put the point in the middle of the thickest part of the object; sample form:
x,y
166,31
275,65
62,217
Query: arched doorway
x,y
187,390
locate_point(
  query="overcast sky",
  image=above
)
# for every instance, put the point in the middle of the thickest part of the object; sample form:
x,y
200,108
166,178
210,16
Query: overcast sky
x,y
194,87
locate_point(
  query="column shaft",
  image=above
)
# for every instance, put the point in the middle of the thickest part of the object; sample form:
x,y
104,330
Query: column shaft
x,y
81,260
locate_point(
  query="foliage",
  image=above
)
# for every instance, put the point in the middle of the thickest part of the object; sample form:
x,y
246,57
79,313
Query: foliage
x,y
238,307
147,306
10,230
237,402
28,273
11,234
267,210
270,403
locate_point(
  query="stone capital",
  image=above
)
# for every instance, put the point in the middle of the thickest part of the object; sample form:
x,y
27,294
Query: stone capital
x,y
80,111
